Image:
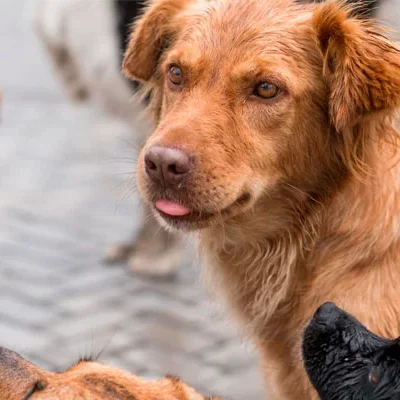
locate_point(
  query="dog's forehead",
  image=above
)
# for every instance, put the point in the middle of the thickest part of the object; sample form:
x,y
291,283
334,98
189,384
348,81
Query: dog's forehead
x,y
226,41
237,31
243,22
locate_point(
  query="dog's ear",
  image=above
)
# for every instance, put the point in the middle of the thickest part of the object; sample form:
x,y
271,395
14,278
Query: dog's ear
x,y
361,66
151,33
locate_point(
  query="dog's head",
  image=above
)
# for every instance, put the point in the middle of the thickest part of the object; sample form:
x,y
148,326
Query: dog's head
x,y
255,102
345,361
22,380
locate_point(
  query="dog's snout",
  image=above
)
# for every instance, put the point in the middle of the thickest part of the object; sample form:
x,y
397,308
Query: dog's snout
x,y
167,165
327,314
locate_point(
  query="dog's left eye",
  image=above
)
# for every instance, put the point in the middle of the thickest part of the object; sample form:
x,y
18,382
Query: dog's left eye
x,y
175,75
266,90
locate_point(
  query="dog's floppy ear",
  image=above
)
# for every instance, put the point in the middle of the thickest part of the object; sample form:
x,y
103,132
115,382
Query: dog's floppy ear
x,y
150,34
361,66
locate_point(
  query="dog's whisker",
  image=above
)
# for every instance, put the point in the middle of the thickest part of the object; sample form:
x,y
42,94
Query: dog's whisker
x,y
301,191
134,145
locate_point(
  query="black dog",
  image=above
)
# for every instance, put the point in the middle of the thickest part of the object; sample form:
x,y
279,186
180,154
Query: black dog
x,y
345,361
126,12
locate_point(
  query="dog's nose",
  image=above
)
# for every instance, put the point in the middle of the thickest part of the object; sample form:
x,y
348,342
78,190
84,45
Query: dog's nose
x,y
327,314
167,165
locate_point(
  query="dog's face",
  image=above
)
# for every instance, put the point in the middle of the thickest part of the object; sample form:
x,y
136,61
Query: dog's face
x,y
21,380
240,93
345,361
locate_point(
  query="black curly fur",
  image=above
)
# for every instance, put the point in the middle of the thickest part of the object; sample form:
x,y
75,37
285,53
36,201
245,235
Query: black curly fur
x,y
345,361
126,12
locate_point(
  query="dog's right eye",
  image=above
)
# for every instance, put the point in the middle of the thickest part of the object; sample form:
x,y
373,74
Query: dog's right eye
x,y
175,75
266,90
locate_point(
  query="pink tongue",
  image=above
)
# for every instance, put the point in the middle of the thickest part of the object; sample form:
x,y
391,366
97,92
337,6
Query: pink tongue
x,y
171,208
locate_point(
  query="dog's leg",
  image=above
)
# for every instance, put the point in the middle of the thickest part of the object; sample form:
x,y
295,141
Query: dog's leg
x,y
68,72
50,25
154,252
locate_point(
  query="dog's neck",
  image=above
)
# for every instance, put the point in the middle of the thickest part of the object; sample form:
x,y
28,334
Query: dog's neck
x,y
264,259
257,263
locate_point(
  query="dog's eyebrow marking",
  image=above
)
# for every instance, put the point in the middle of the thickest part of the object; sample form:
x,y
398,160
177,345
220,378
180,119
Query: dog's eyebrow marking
x,y
173,378
37,387
87,358
106,388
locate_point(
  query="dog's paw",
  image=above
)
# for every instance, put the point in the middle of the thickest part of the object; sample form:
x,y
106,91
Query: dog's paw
x,y
119,253
155,252
162,263
143,259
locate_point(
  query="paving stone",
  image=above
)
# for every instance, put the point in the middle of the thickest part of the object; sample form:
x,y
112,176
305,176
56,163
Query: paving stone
x,y
98,322
20,338
35,294
87,303
26,314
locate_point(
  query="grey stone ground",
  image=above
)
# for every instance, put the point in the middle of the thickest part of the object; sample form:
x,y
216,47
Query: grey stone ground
x,y
62,201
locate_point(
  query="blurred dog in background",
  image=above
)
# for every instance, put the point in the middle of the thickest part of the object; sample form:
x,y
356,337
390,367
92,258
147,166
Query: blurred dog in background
x,y
85,41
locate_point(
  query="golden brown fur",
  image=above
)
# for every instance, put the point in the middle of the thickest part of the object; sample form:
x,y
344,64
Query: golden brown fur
x,y
87,380
297,198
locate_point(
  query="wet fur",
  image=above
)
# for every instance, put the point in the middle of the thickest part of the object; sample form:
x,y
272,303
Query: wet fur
x,y
345,361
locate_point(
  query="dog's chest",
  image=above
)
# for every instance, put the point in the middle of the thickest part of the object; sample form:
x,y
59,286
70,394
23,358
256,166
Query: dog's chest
x,y
261,284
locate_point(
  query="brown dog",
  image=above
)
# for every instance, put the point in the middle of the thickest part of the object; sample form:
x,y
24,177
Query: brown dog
x,y
275,140
21,380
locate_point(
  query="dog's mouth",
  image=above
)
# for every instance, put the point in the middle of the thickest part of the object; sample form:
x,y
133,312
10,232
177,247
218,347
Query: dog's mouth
x,y
181,216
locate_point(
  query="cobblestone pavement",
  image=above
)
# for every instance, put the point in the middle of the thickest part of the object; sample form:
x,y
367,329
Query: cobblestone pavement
x,y
64,196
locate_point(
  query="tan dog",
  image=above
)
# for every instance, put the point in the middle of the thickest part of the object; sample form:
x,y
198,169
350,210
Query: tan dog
x,y
275,140
19,379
